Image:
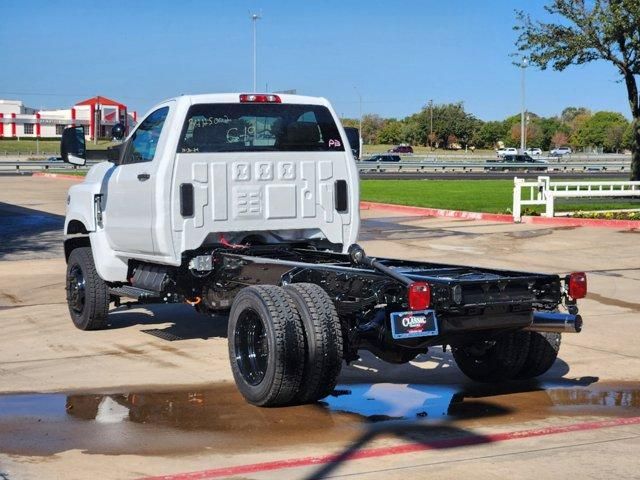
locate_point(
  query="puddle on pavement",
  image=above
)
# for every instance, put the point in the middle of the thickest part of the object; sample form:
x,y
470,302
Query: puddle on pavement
x,y
181,422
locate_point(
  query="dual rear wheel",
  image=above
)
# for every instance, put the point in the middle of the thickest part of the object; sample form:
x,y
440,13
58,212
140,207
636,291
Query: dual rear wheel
x,y
285,344
511,356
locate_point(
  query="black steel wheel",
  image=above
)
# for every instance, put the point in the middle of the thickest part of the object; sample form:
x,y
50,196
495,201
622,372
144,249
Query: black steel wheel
x,y
251,347
87,293
266,346
496,361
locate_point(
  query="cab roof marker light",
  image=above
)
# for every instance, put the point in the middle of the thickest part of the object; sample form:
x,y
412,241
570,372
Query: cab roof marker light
x,y
259,98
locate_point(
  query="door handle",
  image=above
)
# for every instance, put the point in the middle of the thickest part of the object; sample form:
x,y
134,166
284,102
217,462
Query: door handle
x,y
143,177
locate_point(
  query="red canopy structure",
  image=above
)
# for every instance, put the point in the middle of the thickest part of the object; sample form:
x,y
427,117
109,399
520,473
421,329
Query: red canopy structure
x,y
98,100
96,103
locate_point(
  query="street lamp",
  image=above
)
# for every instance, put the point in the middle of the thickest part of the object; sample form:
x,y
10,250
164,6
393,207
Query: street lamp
x,y
431,124
360,120
254,18
523,139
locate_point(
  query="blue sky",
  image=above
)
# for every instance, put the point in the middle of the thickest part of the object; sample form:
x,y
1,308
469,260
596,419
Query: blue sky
x,y
397,54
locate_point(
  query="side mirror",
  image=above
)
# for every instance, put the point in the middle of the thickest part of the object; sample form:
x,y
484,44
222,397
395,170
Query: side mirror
x,y
117,131
72,147
353,135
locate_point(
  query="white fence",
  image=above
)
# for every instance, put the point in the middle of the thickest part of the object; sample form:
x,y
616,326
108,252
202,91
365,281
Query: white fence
x,y
544,192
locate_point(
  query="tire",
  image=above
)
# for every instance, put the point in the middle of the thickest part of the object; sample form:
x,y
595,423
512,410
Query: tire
x,y
502,361
87,294
266,346
323,341
543,351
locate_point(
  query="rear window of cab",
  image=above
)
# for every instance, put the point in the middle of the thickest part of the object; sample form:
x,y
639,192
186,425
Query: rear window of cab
x,y
254,127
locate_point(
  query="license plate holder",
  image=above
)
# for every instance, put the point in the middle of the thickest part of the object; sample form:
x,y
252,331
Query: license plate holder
x,y
421,323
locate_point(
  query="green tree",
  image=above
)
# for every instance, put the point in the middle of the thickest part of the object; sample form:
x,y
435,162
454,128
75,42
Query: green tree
x,y
570,113
371,126
614,140
490,133
350,122
559,139
548,128
391,132
449,120
603,129
586,32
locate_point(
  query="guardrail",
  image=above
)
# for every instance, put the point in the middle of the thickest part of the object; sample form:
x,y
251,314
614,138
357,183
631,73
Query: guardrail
x,y
396,167
466,166
545,192
35,165
574,157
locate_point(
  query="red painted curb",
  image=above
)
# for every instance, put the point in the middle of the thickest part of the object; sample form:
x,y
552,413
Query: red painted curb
x,y
500,217
396,450
58,175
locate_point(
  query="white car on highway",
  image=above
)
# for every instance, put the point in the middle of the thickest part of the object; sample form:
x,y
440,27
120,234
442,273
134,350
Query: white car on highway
x,y
502,152
560,151
533,152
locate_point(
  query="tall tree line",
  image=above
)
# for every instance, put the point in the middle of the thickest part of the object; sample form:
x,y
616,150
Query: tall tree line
x,y
450,126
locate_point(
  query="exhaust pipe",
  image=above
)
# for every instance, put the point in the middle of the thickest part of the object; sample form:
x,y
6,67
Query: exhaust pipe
x,y
555,322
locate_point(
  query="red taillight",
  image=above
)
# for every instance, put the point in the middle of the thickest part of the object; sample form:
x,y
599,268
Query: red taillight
x,y
419,296
259,98
578,285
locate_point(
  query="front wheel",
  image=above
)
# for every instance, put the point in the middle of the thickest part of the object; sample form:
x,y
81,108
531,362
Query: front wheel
x,y
499,360
87,293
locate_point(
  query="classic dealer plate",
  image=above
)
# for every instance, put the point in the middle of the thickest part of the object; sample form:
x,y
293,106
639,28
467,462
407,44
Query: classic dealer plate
x,y
422,323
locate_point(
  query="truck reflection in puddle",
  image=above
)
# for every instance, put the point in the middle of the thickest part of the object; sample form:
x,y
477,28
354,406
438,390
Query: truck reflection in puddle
x,y
222,409
218,418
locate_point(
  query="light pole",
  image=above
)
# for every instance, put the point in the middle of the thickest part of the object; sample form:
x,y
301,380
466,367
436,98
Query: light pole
x,y
254,18
523,139
431,124
360,120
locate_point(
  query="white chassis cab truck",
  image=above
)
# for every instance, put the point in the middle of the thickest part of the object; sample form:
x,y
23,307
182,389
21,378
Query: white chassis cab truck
x,y
247,205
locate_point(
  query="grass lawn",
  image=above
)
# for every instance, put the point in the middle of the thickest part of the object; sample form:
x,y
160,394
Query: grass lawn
x,y
28,146
69,171
494,196
417,150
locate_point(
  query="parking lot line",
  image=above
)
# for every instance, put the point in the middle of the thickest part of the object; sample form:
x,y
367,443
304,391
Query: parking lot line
x,y
404,448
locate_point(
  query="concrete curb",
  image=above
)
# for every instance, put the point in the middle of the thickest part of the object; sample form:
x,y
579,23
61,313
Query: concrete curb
x,y
499,217
58,175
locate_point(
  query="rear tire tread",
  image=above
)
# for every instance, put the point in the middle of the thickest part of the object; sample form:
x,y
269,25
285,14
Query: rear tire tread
x,y
543,351
503,361
323,341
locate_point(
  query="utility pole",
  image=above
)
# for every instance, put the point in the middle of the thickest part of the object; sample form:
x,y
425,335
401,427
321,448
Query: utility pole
x,y
254,18
523,133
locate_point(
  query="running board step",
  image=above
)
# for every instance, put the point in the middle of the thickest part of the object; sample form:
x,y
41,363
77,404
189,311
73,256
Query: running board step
x,y
134,292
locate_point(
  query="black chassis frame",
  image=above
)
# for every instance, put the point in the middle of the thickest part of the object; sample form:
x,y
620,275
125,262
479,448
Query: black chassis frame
x,y
471,304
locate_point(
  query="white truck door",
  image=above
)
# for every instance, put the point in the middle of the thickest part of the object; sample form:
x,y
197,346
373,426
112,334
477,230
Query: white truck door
x,y
128,209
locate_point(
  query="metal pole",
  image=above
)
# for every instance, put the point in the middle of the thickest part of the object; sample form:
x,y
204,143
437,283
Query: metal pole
x,y
431,123
523,140
254,18
360,119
